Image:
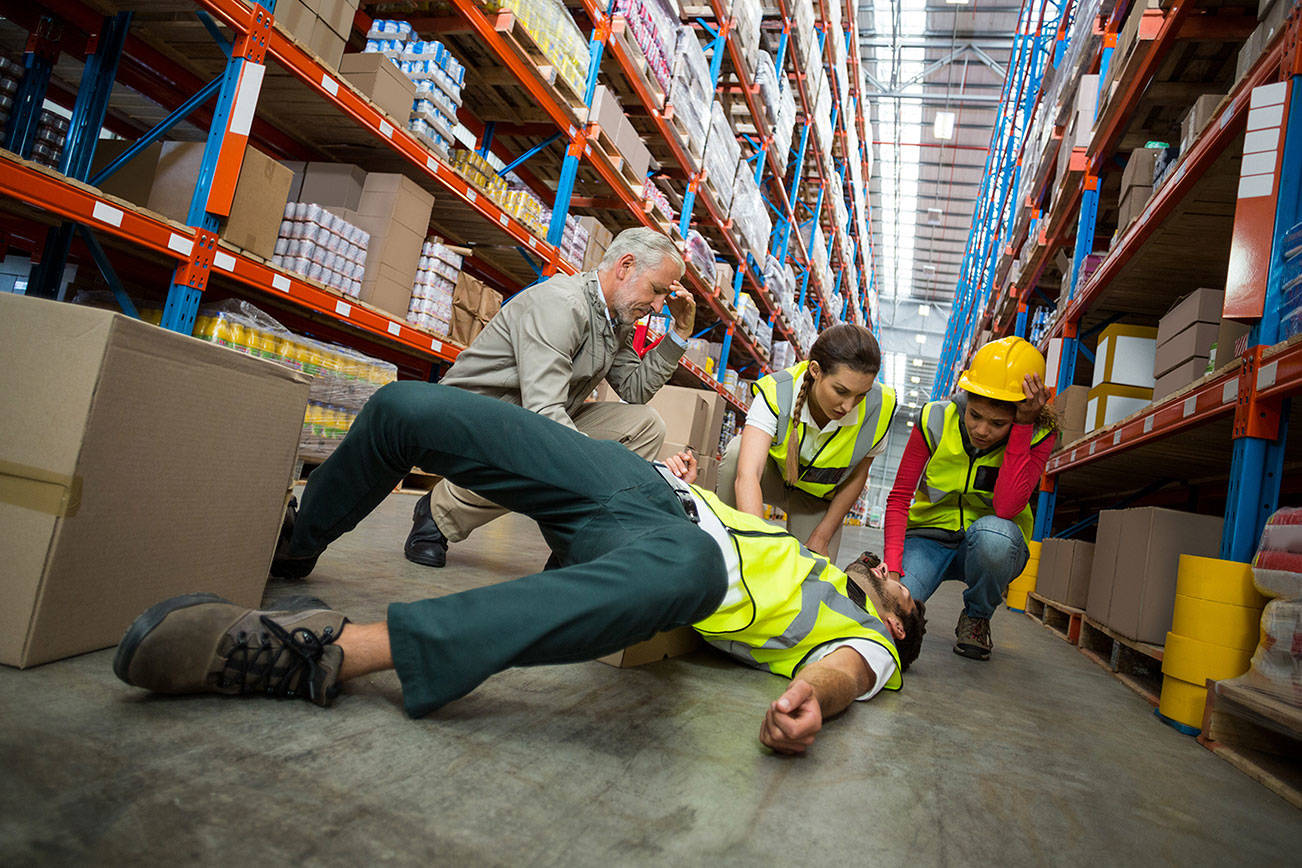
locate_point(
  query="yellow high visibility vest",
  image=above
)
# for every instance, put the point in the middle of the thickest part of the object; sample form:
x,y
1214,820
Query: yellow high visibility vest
x,y
792,602
844,450
955,488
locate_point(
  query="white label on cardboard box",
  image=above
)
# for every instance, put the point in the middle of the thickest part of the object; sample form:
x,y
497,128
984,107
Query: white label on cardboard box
x,y
246,98
386,129
107,214
330,84
1261,140
1266,376
280,282
1148,424
343,308
394,328
436,345
1230,392
1190,405
180,244
224,261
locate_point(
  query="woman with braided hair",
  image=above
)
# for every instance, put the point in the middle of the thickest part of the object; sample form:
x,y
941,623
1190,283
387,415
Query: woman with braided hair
x,y
810,436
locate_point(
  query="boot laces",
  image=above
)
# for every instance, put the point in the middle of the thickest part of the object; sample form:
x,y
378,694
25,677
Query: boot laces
x,y
271,666
975,630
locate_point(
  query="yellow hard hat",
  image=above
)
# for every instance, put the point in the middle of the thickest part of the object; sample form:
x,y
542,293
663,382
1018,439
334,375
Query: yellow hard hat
x,y
999,367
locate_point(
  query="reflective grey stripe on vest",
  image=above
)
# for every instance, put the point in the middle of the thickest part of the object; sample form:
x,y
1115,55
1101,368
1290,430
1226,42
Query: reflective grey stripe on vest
x,y
786,392
936,424
814,593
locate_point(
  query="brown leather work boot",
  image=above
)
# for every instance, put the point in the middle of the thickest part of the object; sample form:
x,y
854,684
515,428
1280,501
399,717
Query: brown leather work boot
x,y
973,636
200,643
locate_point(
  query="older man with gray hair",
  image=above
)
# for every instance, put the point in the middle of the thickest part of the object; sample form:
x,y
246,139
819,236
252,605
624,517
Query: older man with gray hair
x,y
547,349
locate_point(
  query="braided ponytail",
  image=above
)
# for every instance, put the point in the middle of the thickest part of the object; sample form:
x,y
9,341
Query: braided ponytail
x,y
792,469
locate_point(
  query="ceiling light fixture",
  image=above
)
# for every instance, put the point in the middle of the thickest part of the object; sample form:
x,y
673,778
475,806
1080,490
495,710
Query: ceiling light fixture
x,y
920,338
943,128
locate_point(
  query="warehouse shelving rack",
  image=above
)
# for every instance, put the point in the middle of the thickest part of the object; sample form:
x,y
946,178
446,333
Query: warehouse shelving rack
x,y
201,256
1249,232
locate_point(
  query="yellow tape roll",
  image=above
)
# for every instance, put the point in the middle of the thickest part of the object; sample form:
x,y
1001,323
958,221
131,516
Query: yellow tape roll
x,y
1217,580
1182,701
1195,662
1016,599
1216,623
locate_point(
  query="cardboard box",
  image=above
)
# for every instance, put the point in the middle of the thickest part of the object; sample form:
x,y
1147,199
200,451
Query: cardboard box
x,y
379,78
338,15
139,464
1195,121
298,167
1196,341
327,45
1125,356
1131,204
260,194
688,415
1139,168
1201,305
599,238
1179,376
661,646
398,198
467,299
135,179
1109,403
1143,570
632,149
1233,337
1071,404
295,18
707,473
1065,569
1098,602
606,112
332,185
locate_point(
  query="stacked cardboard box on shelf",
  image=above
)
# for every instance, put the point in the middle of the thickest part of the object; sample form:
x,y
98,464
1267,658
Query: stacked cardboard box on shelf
x,y
693,419
378,77
1123,374
1136,185
1136,557
1185,337
473,305
322,26
395,210
1071,406
609,116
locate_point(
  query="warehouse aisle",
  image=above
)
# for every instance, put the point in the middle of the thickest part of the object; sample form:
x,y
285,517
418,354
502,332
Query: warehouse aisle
x,y
1037,757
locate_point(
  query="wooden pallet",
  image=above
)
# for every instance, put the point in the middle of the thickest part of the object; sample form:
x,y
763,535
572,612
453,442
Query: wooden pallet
x,y
1138,665
1058,618
1256,733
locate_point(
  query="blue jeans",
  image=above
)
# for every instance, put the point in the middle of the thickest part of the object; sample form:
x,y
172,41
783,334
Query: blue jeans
x,y
990,556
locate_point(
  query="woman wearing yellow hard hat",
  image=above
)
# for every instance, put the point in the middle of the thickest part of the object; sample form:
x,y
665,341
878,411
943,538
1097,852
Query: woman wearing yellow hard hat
x,y
810,436
960,505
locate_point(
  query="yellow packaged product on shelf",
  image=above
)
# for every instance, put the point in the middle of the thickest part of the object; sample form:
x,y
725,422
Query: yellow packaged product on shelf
x,y
341,380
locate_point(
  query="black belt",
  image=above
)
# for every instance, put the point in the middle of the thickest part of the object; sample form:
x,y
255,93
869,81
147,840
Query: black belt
x,y
682,490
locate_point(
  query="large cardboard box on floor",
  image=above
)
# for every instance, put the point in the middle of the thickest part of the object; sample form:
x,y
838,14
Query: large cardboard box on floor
x,y
1135,563
1065,568
260,194
136,464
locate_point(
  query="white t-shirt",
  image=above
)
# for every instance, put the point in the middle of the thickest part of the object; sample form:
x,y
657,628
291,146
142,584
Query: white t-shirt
x,y
760,416
879,660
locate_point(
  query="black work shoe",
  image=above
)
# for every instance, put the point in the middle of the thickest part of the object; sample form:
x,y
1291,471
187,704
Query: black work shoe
x,y
426,544
200,643
282,565
973,636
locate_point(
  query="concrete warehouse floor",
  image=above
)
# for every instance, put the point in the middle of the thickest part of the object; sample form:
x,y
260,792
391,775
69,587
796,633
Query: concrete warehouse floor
x,y
1036,757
